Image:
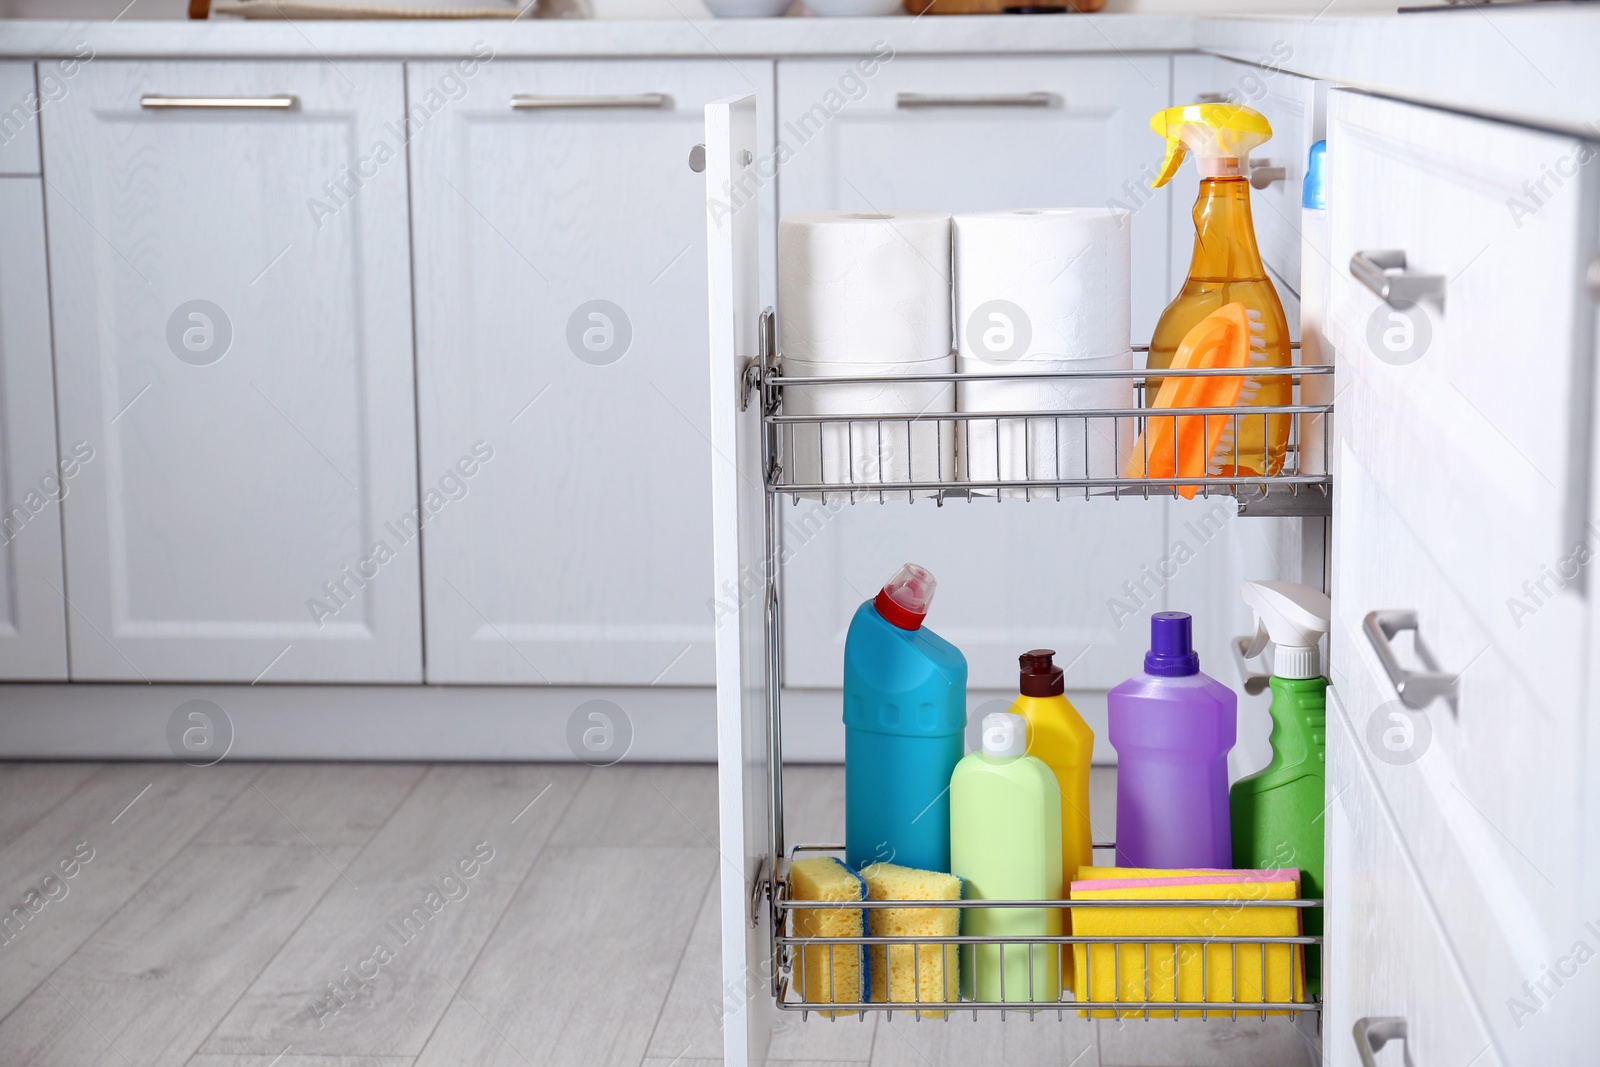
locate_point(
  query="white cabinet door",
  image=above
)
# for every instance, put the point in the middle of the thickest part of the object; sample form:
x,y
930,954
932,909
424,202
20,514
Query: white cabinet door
x,y
33,634
740,567
1486,794
233,337
561,265
1471,407
1016,575
20,105
1387,955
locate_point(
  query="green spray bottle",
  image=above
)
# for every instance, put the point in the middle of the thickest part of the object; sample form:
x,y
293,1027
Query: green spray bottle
x,y
1277,813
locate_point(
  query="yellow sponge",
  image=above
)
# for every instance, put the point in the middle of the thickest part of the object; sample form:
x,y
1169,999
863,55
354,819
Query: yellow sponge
x,y
1197,964
910,973
829,974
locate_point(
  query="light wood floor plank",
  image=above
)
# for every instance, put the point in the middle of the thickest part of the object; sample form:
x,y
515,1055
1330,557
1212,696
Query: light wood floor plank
x,y
582,963
961,1041
643,804
334,807
456,813
690,1025
134,817
302,1061
1203,1043
29,790
150,984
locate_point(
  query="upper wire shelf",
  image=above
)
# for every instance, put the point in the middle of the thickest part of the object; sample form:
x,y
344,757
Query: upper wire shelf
x,y
1007,434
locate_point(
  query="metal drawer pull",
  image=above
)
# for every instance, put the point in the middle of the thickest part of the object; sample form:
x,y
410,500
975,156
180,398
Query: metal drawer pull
x,y
531,102
244,103
1416,689
916,100
697,159
1384,272
1376,1031
1264,174
1253,682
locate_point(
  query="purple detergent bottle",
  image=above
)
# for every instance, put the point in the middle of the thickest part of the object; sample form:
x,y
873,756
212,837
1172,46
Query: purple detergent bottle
x,y
1172,728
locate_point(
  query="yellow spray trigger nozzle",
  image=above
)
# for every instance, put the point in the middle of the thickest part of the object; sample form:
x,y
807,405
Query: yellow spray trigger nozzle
x,y
1220,135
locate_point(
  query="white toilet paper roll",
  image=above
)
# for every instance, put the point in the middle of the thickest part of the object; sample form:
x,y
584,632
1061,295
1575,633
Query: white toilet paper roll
x,y
864,287
913,447
1042,285
1052,446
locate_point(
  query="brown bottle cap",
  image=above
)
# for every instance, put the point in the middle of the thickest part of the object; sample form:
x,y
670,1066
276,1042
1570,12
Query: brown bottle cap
x,y
1040,676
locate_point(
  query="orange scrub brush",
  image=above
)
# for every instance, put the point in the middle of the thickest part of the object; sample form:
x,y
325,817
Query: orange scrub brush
x,y
1183,446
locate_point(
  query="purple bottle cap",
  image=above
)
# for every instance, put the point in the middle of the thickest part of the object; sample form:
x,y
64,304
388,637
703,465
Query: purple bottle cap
x,y
1172,653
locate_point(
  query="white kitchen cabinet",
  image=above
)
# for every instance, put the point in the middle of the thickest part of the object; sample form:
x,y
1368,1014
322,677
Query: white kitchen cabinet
x,y
560,265
1484,386
1470,419
233,338
1463,469
897,138
1387,955
33,634
1487,794
20,104
744,755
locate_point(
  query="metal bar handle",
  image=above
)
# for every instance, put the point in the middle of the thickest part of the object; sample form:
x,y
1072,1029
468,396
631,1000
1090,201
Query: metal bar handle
x,y
282,102
534,102
1376,1031
1384,272
1254,682
925,100
1263,174
1416,689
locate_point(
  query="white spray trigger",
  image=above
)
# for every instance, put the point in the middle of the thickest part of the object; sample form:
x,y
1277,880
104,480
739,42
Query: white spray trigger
x,y
1258,642
1294,617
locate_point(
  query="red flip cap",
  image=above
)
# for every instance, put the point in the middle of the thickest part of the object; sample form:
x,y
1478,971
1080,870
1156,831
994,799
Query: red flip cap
x,y
904,599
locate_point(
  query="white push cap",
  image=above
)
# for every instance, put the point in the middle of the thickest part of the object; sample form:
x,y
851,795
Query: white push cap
x,y
1294,617
1005,734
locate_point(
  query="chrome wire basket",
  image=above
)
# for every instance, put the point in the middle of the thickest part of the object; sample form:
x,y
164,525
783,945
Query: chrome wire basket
x,y
826,440
1196,973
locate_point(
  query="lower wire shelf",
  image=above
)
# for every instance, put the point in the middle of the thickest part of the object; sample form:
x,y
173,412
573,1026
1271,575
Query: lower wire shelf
x,y
1191,974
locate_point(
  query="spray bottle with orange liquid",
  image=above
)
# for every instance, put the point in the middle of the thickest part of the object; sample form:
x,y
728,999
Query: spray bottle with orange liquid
x,y
1226,269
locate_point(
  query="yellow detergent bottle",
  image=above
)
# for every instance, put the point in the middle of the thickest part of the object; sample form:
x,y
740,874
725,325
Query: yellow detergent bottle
x,y
1058,736
1226,267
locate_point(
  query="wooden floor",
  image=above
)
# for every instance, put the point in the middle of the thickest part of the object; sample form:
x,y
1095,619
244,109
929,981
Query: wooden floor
x,y
384,915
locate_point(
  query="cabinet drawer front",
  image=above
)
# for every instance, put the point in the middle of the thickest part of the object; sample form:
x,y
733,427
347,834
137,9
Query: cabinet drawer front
x,y
1486,796
1466,411
561,321
1387,955
232,312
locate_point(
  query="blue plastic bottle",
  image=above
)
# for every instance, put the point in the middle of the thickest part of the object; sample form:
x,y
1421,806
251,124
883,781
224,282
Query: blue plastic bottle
x,y
905,717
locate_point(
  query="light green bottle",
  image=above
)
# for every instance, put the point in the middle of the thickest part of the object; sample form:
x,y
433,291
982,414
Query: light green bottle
x,y
1005,844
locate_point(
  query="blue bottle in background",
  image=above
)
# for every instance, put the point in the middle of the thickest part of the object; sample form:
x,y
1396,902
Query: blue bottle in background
x,y
905,717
